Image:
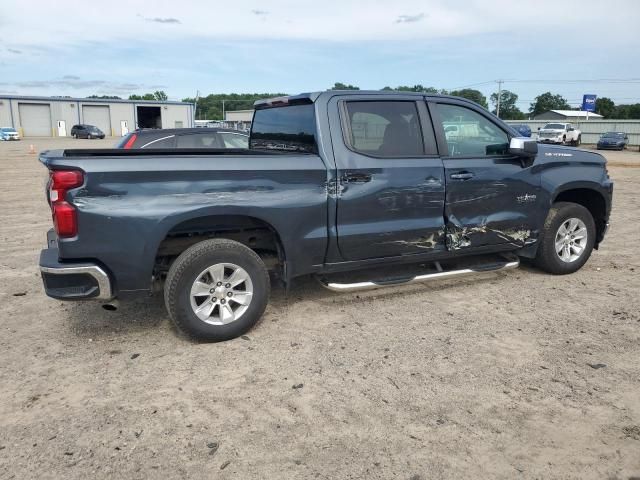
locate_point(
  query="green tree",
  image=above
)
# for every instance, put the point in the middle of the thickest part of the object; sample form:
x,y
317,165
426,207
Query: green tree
x,y
471,94
508,109
210,106
627,112
548,101
160,95
343,86
605,107
106,97
415,88
146,96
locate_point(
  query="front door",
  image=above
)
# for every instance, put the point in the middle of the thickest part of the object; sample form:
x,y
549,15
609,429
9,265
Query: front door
x,y
124,127
390,198
492,197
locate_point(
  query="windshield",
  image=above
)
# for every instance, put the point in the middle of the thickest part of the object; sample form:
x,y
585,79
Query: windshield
x,y
613,135
554,126
94,129
8,130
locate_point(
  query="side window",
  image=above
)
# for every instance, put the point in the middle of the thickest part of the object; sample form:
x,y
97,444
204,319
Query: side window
x,y
386,129
470,134
234,140
196,140
165,142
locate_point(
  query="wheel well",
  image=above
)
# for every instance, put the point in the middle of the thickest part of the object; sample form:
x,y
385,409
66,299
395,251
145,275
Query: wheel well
x,y
592,201
252,232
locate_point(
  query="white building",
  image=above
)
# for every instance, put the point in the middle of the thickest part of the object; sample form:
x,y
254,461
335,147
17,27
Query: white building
x,y
54,116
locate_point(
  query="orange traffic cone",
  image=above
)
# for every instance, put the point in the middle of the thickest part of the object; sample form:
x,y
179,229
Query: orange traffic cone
x,y
32,149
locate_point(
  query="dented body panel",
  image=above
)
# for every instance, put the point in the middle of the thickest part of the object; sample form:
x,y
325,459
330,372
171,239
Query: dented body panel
x,y
333,210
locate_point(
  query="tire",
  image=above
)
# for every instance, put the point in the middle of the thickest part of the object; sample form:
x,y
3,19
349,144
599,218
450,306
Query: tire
x,y
548,258
187,271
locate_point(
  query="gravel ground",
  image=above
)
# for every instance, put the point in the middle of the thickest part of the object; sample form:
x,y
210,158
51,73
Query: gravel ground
x,y
519,374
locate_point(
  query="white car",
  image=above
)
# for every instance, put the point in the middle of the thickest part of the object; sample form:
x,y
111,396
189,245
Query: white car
x,y
560,133
8,133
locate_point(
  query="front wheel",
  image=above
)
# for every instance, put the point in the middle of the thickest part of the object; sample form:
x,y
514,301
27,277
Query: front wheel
x,y
567,239
216,290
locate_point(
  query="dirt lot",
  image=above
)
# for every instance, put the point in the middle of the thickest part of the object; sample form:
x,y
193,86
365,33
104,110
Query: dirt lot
x,y
476,379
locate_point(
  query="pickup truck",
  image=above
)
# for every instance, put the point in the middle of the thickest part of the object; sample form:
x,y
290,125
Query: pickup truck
x,y
361,189
560,133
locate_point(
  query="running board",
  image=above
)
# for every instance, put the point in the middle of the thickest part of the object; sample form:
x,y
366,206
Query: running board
x,y
505,262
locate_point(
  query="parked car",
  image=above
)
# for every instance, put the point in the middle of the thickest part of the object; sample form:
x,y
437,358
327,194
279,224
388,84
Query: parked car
x,y
86,131
560,133
185,138
8,133
362,189
613,141
522,128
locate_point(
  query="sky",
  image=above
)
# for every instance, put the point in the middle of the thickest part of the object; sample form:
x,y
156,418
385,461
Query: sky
x,y
84,48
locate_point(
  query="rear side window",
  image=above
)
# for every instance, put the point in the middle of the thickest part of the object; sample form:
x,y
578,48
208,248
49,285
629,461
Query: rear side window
x,y
234,140
291,128
196,140
386,129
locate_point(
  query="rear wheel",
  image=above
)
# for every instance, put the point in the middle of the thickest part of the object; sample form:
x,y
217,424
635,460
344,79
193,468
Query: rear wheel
x,y
567,239
216,290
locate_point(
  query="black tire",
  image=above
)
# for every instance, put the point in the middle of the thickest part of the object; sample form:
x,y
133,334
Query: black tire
x,y
547,258
183,273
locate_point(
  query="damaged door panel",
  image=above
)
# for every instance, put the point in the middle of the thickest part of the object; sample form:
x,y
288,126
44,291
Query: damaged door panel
x,y
492,198
392,181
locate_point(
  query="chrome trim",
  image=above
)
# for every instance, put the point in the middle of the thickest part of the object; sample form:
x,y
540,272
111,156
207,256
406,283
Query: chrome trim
x,y
359,286
156,140
104,284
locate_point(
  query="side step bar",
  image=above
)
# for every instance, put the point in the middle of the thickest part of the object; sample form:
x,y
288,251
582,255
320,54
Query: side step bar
x,y
509,262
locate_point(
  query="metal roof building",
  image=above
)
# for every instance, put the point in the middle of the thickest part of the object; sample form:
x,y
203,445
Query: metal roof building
x,y
568,115
54,116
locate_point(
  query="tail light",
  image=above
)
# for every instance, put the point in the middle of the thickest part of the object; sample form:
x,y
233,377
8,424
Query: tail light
x,y
64,214
130,142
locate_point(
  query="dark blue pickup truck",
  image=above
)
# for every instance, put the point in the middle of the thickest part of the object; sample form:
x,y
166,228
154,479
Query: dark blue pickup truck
x,y
362,189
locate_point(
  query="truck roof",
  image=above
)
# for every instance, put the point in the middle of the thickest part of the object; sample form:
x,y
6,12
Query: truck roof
x,y
311,97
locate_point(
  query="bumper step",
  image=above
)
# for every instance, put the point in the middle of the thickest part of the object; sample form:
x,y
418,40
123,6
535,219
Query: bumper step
x,y
390,277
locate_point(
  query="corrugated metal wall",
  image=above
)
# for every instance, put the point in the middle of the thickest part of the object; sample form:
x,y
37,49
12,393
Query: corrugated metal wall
x,y
592,129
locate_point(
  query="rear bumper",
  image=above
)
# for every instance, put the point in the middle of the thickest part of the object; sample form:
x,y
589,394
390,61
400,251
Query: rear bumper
x,y
73,281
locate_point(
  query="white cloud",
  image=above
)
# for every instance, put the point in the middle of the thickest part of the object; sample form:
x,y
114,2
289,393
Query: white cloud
x,y
42,22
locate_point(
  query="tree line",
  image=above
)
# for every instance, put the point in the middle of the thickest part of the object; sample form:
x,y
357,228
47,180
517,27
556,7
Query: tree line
x,y
211,107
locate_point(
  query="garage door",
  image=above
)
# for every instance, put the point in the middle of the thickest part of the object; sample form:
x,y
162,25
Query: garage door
x,y
35,119
97,115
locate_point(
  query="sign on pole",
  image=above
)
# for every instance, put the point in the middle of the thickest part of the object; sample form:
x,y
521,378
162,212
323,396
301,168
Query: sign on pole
x,y
589,102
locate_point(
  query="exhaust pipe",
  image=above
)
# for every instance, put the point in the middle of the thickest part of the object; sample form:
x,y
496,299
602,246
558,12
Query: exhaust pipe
x,y
111,306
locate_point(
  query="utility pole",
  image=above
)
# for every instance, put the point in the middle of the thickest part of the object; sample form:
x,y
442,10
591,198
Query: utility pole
x,y
500,82
223,110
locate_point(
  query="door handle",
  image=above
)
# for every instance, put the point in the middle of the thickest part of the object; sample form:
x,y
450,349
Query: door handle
x,y
355,177
462,176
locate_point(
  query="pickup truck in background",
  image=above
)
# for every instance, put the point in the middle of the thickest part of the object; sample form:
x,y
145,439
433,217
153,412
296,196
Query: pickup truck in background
x,y
362,189
560,133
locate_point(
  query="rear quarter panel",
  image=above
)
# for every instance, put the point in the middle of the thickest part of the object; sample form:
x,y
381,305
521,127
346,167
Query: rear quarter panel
x,y
128,204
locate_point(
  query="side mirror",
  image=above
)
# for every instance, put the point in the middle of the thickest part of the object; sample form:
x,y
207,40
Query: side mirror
x,y
525,148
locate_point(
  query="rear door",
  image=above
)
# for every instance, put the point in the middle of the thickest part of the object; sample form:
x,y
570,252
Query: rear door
x,y
391,180
491,197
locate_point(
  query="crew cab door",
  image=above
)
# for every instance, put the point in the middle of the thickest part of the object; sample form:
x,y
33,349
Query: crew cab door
x,y
390,194
492,198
